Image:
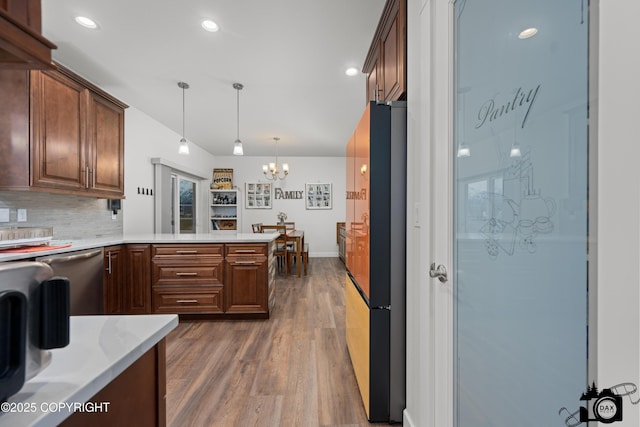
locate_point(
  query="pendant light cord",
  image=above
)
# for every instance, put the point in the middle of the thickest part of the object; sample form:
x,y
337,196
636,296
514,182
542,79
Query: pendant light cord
x,y
238,114
183,116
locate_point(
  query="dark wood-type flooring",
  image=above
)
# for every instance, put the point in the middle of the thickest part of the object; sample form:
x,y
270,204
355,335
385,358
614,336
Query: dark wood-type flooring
x,y
290,370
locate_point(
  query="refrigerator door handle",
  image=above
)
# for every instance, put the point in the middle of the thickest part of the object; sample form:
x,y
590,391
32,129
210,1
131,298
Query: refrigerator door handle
x,y
440,272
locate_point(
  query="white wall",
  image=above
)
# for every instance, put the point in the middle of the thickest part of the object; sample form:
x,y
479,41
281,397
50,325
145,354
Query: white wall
x,y
145,139
319,225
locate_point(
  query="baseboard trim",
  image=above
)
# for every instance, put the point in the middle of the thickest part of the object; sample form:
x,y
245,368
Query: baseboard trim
x,y
323,254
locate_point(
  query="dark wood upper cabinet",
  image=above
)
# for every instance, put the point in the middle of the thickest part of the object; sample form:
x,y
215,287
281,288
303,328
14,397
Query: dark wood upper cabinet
x,y
385,64
58,114
21,42
60,134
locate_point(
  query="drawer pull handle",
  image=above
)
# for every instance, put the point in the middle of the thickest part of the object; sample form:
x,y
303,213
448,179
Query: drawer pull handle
x,y
186,252
187,301
245,262
246,251
186,274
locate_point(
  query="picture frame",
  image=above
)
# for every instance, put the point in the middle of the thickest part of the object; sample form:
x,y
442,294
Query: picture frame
x,y
222,179
318,195
258,195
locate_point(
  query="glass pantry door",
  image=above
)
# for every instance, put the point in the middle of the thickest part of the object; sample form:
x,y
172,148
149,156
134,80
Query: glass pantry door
x,y
520,198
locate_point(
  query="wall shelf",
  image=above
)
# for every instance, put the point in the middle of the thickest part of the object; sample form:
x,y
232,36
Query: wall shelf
x,y
224,211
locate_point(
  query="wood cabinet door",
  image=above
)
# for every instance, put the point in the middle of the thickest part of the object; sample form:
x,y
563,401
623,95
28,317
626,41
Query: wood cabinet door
x,y
391,64
138,279
246,285
58,118
106,147
386,59
114,280
374,89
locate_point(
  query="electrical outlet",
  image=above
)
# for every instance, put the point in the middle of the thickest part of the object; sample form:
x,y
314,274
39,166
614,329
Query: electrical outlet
x,y
22,215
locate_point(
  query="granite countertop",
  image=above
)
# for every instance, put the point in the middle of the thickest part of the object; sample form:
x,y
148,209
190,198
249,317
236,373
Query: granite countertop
x,y
100,349
76,245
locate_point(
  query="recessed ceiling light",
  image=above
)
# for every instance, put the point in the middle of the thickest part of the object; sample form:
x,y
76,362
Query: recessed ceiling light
x,y
351,71
529,32
86,22
210,26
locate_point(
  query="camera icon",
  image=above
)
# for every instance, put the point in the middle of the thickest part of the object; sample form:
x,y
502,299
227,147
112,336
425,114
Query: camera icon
x,y
604,407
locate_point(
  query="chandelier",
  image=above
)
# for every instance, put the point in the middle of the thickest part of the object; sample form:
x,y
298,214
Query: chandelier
x,y
272,170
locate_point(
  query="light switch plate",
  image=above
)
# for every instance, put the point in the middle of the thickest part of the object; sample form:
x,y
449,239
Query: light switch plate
x,y
4,214
22,215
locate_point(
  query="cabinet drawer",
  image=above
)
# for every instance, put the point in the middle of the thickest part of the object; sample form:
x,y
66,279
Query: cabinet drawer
x,y
187,251
171,272
240,249
187,300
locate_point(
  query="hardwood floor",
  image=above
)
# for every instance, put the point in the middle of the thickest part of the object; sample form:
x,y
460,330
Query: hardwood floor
x,y
290,370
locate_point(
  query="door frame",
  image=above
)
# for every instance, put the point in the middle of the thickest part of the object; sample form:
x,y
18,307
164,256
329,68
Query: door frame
x,y
441,196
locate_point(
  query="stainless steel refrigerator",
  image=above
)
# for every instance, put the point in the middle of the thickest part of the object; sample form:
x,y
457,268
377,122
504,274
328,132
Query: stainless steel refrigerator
x,y
375,258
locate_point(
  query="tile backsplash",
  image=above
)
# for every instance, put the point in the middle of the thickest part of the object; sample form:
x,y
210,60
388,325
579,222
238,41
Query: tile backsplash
x,y
72,217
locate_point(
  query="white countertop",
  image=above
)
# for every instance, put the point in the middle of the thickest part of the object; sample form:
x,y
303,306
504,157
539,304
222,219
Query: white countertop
x,y
77,245
100,349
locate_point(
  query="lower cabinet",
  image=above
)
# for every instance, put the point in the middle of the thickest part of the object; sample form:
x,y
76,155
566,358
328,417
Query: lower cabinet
x,y
126,279
136,397
209,279
246,279
188,279
138,292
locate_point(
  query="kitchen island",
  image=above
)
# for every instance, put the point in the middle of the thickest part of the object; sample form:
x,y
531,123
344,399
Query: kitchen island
x,y
194,275
111,373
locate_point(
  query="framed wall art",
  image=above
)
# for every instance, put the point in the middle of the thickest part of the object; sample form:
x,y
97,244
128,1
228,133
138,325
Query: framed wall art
x,y
318,196
258,195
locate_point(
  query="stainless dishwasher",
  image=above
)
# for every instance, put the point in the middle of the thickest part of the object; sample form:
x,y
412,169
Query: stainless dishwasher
x,y
84,271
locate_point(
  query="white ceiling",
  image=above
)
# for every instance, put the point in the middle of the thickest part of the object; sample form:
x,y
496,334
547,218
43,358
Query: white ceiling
x,y
290,55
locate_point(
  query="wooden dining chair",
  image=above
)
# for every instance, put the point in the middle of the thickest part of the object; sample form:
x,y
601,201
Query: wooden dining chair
x,y
281,245
291,244
257,228
304,253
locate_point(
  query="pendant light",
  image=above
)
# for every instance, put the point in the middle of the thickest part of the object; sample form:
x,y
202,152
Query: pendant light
x,y
237,145
184,145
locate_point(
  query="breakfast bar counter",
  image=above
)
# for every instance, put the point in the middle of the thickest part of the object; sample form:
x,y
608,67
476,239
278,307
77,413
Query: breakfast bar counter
x,y
112,365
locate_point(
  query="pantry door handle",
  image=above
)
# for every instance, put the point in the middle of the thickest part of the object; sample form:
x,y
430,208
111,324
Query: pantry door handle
x,y
439,272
